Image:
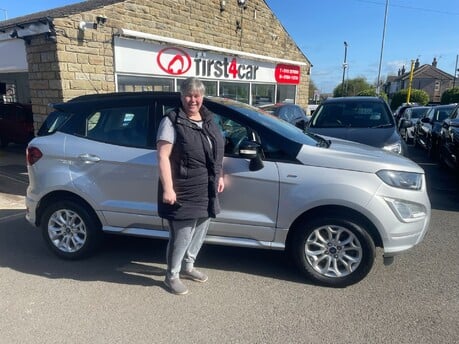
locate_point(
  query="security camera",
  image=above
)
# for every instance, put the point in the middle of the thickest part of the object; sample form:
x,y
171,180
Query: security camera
x,y
101,20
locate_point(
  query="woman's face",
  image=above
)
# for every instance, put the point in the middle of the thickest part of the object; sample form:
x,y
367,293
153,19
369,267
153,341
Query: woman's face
x,y
192,103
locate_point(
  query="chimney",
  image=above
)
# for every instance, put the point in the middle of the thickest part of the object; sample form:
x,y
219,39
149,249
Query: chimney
x,y
416,64
403,69
399,72
434,62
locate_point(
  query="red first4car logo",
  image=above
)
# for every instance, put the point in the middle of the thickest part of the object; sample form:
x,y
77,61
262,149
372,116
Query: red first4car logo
x,y
174,61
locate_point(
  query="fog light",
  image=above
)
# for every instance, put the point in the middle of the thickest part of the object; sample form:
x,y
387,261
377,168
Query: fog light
x,y
406,211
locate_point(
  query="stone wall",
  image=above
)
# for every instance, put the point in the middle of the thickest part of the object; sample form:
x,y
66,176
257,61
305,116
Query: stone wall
x,y
85,57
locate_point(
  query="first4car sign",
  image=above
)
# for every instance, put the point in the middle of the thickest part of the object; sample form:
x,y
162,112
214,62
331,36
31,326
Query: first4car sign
x,y
148,58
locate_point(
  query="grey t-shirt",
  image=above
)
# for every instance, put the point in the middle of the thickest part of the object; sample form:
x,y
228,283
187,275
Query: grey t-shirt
x,y
166,130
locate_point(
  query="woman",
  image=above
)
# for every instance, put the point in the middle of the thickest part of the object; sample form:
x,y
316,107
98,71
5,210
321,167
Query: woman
x,y
190,155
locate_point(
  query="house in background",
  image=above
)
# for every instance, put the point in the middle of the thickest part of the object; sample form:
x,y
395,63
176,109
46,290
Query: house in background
x,y
427,77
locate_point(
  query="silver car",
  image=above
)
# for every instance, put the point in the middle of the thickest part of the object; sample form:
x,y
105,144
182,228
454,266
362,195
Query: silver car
x,y
329,202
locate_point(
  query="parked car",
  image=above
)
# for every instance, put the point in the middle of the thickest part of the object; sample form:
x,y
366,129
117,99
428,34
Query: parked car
x,y
412,114
427,130
366,120
449,141
329,202
401,109
291,113
16,123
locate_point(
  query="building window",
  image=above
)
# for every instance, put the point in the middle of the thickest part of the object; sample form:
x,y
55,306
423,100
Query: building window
x,y
129,83
263,94
286,93
211,86
437,85
245,92
235,90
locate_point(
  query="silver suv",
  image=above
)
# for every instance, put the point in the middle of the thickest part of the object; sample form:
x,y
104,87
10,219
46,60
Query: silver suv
x,y
329,202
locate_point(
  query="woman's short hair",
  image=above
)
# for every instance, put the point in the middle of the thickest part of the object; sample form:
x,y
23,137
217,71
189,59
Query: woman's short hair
x,y
191,85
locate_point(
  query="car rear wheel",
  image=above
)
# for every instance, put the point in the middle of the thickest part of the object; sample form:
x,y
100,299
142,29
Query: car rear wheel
x,y
69,230
333,252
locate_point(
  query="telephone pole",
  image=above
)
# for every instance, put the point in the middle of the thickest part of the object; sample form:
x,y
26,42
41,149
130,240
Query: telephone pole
x,y
378,86
344,67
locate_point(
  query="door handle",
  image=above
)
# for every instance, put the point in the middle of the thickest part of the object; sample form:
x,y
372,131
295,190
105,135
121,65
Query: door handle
x,y
88,158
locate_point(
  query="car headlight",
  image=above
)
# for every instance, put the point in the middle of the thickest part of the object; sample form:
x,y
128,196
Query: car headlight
x,y
395,148
400,179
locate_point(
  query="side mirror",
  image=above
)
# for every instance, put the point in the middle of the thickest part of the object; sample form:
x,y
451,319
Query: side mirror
x,y
251,150
302,124
454,122
425,120
406,123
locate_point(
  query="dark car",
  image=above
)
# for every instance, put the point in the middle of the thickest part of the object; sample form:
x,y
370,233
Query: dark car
x,y
427,129
401,110
449,141
366,120
16,123
413,114
291,113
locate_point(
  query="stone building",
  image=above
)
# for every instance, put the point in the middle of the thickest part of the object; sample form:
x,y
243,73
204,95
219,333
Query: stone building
x,y
426,77
237,47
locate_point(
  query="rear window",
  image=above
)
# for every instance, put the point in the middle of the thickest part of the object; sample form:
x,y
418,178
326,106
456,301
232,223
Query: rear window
x,y
53,122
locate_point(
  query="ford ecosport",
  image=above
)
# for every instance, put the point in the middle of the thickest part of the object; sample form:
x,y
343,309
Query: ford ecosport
x,y
329,202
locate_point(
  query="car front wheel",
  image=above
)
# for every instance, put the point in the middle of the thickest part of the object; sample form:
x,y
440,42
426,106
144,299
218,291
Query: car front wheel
x,y
70,230
333,252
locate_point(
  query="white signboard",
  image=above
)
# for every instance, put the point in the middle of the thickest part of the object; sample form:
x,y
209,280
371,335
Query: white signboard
x,y
137,57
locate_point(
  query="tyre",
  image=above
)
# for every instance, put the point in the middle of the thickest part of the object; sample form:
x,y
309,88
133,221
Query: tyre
x,y
70,230
333,252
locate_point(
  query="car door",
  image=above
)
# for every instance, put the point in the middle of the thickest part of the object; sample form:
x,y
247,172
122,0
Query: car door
x,y
249,203
449,142
426,128
250,200
113,165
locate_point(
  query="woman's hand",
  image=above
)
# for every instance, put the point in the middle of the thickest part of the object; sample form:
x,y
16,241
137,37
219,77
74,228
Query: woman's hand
x,y
220,185
169,197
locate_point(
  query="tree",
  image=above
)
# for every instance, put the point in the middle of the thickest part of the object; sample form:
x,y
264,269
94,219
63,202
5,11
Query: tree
x,y
417,96
372,92
351,87
450,96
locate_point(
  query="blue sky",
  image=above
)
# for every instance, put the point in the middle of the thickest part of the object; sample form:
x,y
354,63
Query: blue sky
x,y
421,29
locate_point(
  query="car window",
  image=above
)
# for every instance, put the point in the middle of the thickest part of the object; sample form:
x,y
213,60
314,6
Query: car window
x,y
417,112
441,115
234,133
455,112
53,122
126,126
358,114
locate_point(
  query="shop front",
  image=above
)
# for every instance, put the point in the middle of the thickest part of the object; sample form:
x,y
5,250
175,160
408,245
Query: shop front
x,y
154,63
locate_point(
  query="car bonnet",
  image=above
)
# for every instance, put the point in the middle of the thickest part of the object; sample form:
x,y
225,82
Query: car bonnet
x,y
348,155
376,137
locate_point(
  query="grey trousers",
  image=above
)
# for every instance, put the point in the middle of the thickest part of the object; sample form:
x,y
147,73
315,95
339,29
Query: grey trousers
x,y
185,240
